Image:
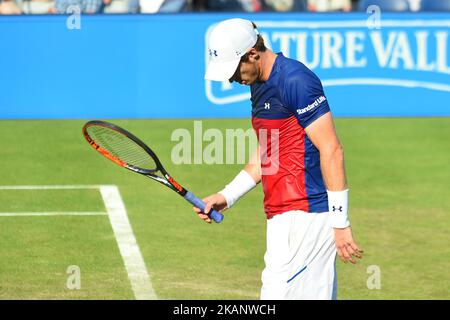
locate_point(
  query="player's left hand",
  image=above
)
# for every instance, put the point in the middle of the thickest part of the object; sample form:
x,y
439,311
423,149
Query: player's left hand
x,y
347,249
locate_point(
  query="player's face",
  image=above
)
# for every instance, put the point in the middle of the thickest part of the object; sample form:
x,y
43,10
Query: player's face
x,y
247,71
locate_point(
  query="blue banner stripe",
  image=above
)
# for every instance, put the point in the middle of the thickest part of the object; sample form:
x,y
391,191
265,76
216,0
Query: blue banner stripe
x,y
129,66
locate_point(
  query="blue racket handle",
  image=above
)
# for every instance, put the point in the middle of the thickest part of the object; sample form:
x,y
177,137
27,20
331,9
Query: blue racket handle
x,y
214,214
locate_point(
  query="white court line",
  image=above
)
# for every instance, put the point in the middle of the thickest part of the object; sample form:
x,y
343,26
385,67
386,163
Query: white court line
x,y
128,247
126,241
52,187
47,214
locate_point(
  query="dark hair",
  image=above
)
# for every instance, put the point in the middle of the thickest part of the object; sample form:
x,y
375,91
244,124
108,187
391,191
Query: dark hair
x,y
259,45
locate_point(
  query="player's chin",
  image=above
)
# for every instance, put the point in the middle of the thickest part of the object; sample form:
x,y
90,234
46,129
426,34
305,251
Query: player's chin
x,y
247,82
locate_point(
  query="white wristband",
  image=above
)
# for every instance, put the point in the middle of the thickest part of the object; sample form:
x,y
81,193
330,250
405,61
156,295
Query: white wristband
x,y
240,185
338,207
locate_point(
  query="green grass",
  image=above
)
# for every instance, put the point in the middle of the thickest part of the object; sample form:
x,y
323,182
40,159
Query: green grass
x,y
398,172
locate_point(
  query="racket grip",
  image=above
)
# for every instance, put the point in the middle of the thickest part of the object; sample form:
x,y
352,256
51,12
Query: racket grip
x,y
213,214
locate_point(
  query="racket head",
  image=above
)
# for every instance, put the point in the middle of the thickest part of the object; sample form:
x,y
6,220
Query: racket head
x,y
121,147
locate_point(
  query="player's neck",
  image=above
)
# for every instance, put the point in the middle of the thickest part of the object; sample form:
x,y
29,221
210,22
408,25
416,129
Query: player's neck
x,y
267,61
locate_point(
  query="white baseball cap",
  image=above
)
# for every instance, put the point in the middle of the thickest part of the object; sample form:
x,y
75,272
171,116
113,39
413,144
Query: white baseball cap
x,y
227,43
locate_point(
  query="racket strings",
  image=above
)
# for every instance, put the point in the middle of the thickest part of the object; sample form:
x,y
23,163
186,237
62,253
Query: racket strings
x,y
121,147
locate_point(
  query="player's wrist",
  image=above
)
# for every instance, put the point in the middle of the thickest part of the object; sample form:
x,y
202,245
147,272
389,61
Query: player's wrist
x,y
239,186
338,208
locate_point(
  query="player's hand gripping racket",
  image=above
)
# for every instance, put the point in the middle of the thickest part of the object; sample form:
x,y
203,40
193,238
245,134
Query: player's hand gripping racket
x,y
128,151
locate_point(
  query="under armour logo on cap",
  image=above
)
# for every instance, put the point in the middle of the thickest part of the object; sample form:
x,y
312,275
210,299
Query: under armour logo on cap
x,y
336,209
212,52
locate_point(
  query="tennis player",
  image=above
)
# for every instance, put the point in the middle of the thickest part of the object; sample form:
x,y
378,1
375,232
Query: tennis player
x,y
306,198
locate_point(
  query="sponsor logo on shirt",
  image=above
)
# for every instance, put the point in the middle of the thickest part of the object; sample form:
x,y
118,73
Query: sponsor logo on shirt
x,y
311,106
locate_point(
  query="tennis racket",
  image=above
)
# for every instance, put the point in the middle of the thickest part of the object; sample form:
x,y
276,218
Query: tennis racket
x,y
128,151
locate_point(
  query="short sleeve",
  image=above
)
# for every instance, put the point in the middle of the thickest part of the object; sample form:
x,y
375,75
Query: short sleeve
x,y
304,96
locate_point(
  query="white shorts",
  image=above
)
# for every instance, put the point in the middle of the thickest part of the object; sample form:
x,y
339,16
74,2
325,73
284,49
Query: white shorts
x,y
300,258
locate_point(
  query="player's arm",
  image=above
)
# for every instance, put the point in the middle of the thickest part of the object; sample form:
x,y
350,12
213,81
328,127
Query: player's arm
x,y
323,135
253,167
244,181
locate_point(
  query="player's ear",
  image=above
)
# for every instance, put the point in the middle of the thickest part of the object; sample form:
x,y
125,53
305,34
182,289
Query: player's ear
x,y
253,54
